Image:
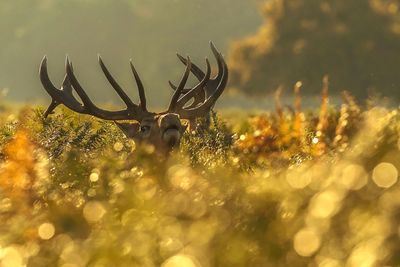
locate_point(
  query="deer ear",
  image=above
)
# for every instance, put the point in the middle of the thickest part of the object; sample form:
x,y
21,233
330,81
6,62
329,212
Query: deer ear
x,y
129,129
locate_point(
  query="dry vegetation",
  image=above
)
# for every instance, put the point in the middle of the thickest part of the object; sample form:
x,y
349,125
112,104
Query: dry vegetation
x,y
287,188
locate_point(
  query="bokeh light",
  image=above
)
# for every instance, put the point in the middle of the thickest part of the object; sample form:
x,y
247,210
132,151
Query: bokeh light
x,y
354,177
94,177
118,146
180,261
11,257
306,242
296,180
325,204
93,211
46,231
385,175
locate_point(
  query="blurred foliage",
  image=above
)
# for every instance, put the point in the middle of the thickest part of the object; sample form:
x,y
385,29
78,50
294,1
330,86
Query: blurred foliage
x,y
75,192
283,138
357,43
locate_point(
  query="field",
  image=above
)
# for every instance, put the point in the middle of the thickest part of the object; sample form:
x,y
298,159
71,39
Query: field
x,y
281,188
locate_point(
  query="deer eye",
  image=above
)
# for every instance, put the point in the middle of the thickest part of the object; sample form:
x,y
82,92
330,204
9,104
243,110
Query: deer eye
x,y
144,128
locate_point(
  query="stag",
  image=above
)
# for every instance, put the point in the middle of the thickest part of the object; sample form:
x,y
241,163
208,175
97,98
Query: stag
x,y
164,129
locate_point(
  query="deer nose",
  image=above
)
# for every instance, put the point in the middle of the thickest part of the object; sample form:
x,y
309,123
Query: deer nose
x,y
171,137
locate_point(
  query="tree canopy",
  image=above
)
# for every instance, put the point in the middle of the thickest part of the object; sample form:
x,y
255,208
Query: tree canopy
x,y
356,43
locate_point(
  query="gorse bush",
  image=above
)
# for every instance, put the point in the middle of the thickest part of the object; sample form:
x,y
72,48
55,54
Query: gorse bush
x,y
75,192
210,144
65,131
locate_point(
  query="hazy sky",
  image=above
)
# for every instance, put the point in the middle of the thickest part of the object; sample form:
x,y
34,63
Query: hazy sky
x,y
149,31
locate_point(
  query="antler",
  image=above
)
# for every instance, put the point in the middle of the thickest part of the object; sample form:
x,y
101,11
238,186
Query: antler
x,y
204,94
65,95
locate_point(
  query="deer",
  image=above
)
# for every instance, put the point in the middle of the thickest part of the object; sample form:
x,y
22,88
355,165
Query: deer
x,y
163,130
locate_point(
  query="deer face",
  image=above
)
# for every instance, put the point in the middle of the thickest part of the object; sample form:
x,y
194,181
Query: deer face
x,y
164,130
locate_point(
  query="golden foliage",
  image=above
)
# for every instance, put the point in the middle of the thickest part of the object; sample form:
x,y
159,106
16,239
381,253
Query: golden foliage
x,y
24,169
17,173
322,126
288,135
119,206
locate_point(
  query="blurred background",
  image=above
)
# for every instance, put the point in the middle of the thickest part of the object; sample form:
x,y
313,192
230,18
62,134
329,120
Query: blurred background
x,y
268,43
150,32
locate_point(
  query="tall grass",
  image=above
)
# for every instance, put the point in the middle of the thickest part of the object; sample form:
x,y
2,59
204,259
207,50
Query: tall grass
x,y
291,188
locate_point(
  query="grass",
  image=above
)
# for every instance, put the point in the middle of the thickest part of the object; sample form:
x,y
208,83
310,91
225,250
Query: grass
x,y
284,188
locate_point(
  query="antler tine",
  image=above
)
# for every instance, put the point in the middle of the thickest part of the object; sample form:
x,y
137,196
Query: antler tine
x,y
58,97
197,98
48,86
195,90
44,77
214,82
204,108
173,86
78,88
211,85
90,108
178,91
200,96
140,87
50,108
67,88
128,102
195,70
219,62
221,86
66,85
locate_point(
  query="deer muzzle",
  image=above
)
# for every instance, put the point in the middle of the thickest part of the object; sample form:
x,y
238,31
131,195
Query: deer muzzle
x,y
171,137
171,129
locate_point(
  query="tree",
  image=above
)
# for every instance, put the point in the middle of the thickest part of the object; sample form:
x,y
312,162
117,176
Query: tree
x,y
356,43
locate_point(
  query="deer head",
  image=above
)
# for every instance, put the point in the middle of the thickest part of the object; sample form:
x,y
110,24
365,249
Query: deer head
x,y
164,130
